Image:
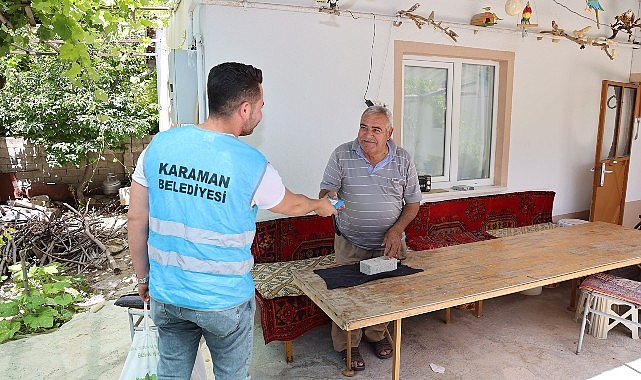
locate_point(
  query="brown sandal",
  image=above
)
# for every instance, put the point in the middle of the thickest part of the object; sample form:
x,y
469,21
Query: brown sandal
x,y
383,345
358,364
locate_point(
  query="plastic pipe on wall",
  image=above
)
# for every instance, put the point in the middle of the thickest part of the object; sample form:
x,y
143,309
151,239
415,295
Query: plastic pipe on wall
x,y
200,63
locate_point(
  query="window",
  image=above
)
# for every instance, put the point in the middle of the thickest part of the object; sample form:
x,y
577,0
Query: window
x,y
453,113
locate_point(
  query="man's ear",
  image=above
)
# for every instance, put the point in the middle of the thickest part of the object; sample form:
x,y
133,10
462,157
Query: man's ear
x,y
244,110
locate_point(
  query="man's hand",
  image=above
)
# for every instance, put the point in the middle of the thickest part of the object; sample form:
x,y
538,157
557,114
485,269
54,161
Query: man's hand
x,y
326,208
392,242
298,204
327,194
143,291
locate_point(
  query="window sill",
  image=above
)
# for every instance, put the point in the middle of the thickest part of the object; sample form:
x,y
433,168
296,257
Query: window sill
x,y
446,194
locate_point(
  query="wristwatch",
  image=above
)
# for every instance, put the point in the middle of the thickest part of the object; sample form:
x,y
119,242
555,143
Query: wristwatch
x,y
143,280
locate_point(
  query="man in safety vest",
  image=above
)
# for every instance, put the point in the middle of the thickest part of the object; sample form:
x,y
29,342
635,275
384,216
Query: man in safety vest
x,y
191,222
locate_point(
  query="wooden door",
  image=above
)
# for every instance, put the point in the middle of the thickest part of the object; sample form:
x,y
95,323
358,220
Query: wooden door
x,y
619,112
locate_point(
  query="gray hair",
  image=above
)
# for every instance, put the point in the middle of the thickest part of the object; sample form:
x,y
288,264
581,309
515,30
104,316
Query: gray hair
x,y
379,110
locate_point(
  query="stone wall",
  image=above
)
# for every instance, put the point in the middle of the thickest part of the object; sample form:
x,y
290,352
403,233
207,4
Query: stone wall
x,y
28,163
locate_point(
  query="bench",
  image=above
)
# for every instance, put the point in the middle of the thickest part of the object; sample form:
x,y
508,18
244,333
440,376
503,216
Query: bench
x,y
279,246
307,242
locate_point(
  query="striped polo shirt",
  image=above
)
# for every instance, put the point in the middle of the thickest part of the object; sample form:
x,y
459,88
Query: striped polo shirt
x,y
374,196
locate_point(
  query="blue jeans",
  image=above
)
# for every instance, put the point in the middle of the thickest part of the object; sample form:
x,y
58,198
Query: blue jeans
x,y
229,335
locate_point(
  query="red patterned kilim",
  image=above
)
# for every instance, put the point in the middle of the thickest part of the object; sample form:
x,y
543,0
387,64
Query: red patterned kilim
x,y
287,318
294,238
465,220
286,239
421,243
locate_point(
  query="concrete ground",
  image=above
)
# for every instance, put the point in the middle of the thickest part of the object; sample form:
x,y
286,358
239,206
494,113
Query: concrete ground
x,y
518,337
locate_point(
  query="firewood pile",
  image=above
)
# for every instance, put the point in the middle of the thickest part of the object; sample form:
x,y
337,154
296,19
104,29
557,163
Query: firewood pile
x,y
79,240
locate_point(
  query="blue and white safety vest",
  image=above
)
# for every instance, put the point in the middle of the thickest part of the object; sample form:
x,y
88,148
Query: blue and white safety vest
x,y
201,226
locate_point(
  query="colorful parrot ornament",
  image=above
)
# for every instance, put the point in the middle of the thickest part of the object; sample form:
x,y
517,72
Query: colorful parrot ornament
x,y
526,14
594,5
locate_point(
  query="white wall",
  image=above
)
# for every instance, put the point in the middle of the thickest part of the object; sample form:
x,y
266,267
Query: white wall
x,y
316,67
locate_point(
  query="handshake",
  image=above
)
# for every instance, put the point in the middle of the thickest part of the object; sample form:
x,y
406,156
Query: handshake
x,y
337,203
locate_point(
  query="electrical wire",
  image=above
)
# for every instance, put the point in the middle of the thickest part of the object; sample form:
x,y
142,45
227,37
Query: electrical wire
x,y
573,11
389,43
371,62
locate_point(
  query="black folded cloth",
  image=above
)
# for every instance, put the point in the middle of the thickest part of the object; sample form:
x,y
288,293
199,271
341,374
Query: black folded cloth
x,y
350,275
132,300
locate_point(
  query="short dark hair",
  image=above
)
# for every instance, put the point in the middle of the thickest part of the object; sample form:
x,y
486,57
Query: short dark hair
x,y
229,84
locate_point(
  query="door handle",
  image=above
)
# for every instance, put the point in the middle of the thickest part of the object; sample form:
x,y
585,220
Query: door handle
x,y
603,172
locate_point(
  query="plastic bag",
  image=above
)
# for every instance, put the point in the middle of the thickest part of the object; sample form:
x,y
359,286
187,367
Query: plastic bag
x,y
142,359
143,356
199,372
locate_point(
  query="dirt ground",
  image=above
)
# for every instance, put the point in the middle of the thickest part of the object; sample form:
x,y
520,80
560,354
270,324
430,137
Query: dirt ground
x,y
95,343
109,285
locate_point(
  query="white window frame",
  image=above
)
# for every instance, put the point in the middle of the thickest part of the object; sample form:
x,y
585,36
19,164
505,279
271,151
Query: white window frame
x,y
504,74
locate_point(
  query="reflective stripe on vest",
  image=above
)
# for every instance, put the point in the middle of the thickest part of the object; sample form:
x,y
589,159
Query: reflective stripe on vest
x,y
168,258
197,235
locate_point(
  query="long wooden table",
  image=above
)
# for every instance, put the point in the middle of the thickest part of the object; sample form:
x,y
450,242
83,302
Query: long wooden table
x,y
471,272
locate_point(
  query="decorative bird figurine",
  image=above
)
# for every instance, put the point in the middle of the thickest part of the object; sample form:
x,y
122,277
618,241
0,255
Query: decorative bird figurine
x,y
594,5
556,30
626,22
526,14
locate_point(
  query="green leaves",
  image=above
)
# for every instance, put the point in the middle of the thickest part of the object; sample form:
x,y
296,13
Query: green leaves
x,y
5,235
76,121
52,301
62,26
101,96
8,329
87,26
63,299
9,309
43,319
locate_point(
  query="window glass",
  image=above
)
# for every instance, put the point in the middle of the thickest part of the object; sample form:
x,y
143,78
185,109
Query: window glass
x,y
627,122
449,119
610,125
424,117
476,121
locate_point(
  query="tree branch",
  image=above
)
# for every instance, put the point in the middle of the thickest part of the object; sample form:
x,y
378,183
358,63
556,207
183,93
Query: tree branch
x,y
420,21
5,21
112,262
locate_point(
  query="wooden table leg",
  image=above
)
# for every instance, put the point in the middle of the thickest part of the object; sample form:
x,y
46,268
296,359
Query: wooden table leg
x,y
396,361
348,371
574,287
289,351
478,308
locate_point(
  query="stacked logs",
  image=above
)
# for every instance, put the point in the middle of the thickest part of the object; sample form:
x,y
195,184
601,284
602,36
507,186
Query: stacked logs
x,y
66,235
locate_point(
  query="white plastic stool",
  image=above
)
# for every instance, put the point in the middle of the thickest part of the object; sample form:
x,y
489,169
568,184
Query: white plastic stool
x,y
604,288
